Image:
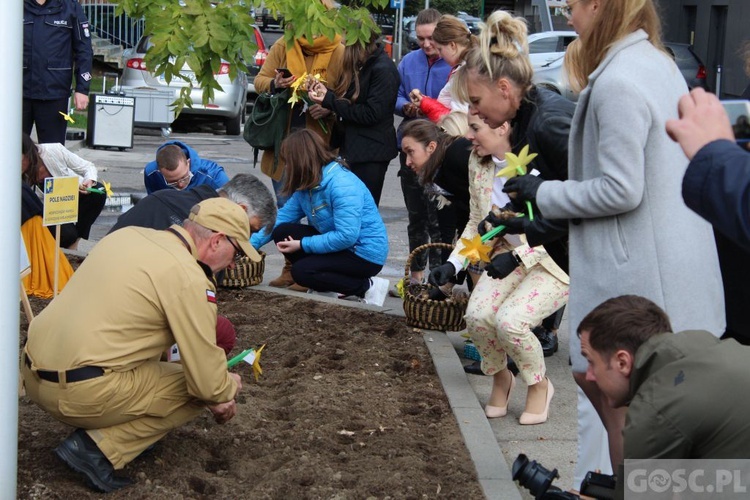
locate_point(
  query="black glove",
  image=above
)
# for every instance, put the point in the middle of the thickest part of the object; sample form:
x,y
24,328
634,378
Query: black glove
x,y
517,225
442,274
501,265
525,186
494,222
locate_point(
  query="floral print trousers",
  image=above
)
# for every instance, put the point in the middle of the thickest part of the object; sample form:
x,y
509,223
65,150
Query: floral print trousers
x,y
501,314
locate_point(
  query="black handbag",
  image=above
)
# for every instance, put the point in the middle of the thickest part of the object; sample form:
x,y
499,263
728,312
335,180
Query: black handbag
x,y
267,125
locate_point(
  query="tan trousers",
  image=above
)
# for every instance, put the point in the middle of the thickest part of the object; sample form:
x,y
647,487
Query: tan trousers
x,y
123,412
501,314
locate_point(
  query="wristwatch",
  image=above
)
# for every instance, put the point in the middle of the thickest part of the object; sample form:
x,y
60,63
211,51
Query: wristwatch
x,y
517,257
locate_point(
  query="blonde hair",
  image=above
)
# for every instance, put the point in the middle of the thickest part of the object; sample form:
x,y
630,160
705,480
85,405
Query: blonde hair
x,y
616,20
502,53
455,123
451,29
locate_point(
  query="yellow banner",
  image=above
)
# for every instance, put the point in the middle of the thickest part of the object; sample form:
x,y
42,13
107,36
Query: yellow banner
x,y
60,200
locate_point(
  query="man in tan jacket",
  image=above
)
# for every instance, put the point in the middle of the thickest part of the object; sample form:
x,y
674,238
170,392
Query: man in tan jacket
x,y
92,359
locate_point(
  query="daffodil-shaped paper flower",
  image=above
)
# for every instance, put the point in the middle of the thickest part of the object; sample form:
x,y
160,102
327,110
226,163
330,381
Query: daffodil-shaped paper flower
x,y
517,165
108,189
474,250
296,84
67,117
257,370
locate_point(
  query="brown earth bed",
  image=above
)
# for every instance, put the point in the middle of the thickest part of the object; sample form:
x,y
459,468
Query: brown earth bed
x,y
349,407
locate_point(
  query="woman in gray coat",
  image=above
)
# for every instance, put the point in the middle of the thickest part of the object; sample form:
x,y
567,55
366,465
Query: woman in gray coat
x,y
630,232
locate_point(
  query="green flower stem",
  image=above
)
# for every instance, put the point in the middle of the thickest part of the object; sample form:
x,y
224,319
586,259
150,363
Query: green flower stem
x,y
320,122
94,190
235,360
521,171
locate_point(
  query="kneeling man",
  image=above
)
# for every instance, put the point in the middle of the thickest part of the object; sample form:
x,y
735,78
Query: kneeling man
x,y
92,359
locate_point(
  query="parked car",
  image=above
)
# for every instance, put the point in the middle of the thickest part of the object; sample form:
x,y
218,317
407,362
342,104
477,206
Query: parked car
x,y
472,22
254,67
386,22
547,46
690,64
227,105
551,74
266,20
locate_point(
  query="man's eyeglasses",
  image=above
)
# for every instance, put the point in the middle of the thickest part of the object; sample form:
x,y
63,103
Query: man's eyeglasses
x,y
182,182
238,253
567,11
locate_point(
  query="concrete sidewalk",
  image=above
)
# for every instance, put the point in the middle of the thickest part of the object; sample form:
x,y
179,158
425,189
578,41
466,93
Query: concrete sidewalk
x,y
492,444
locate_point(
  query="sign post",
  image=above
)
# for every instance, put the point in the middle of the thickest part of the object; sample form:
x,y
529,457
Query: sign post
x,y
60,207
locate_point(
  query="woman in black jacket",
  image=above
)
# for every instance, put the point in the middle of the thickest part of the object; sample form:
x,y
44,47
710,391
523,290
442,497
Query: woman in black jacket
x,y
363,103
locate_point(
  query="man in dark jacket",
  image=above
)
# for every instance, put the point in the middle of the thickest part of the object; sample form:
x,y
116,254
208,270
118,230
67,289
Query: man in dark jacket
x,y
668,381
56,38
170,206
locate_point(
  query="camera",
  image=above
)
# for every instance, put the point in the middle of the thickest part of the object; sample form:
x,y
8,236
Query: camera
x,y
538,480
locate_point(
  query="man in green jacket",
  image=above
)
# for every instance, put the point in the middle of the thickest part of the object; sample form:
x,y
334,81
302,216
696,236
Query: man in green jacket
x,y
684,392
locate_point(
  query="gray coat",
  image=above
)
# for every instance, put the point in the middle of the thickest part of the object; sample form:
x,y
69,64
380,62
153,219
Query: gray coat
x,y
630,231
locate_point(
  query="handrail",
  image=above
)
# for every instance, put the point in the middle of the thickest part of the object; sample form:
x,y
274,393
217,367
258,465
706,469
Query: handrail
x,y
120,30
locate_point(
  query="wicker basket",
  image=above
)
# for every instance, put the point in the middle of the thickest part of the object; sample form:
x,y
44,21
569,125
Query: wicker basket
x,y
245,273
422,312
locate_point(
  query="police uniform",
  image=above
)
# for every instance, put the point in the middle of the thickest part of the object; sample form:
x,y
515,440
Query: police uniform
x,y
92,356
56,38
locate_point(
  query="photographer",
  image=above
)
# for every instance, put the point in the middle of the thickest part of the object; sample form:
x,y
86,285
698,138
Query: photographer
x,y
668,382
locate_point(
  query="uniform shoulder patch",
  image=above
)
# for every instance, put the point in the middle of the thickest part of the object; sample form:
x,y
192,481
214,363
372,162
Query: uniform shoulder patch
x,y
86,76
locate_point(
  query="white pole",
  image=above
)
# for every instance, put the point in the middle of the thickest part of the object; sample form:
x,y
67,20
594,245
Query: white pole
x,y
400,30
11,35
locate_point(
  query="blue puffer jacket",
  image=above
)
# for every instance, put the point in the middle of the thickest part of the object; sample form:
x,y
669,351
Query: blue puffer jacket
x,y
204,171
341,208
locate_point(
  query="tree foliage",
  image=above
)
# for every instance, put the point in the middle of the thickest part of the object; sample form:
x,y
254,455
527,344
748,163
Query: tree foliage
x,y
203,33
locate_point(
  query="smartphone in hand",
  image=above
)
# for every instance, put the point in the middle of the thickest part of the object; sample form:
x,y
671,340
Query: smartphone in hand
x,y
739,116
284,72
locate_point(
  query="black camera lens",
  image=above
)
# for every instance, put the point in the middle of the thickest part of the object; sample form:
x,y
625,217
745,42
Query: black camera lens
x,y
533,476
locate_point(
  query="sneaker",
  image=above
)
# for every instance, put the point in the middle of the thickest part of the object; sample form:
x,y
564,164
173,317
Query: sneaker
x,y
375,295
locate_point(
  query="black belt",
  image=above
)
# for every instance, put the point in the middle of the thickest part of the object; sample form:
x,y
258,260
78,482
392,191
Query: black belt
x,y
76,375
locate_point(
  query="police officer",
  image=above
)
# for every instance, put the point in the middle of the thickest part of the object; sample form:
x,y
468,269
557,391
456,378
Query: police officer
x,y
92,359
56,38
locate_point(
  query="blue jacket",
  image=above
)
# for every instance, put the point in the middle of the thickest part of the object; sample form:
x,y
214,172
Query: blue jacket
x,y
342,209
204,171
417,73
55,36
716,186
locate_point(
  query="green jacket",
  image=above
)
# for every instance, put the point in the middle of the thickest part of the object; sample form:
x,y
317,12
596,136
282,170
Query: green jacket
x,y
689,398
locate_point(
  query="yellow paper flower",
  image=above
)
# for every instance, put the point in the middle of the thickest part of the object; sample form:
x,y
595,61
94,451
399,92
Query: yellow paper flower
x,y
108,189
257,370
67,117
474,250
295,86
517,165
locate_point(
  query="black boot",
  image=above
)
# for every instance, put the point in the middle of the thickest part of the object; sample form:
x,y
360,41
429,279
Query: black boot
x,y
547,339
82,455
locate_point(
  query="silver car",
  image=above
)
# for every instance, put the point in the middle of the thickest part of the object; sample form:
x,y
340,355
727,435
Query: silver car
x,y
228,105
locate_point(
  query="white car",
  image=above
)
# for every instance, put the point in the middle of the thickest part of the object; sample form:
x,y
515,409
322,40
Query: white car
x,y
547,47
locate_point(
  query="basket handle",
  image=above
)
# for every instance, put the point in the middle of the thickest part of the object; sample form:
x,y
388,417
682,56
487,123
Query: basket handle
x,y
422,248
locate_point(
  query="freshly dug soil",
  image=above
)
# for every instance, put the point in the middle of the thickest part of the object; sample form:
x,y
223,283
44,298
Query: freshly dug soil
x,y
348,407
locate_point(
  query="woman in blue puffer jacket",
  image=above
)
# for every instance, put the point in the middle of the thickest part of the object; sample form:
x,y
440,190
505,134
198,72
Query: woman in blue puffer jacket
x,y
344,245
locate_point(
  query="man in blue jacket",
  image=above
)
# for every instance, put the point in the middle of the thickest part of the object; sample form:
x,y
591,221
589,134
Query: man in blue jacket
x,y
56,39
424,70
178,166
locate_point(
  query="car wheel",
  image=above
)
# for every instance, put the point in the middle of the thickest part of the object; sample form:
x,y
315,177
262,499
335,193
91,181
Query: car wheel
x,y
234,125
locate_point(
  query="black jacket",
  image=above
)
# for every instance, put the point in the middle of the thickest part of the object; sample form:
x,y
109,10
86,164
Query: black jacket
x,y
364,129
56,37
543,122
163,208
453,176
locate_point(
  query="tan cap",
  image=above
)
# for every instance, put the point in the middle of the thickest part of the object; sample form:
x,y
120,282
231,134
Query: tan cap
x,y
225,216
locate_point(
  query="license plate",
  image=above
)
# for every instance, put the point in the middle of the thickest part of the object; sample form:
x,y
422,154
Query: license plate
x,y
177,80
